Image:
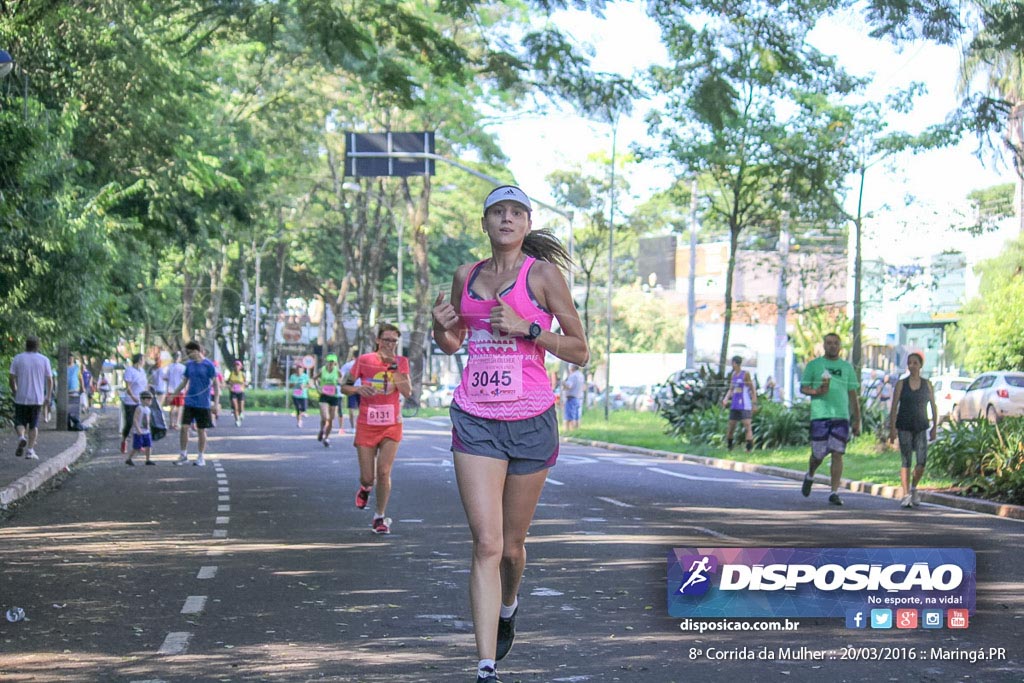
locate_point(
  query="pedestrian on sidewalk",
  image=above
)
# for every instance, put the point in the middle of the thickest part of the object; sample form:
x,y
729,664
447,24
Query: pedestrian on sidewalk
x,y
142,436
104,388
198,381
175,400
135,382
741,401
158,380
504,419
572,388
31,380
909,421
327,383
383,376
833,386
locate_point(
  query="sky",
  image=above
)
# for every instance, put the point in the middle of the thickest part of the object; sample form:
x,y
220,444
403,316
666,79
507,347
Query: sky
x,y
626,40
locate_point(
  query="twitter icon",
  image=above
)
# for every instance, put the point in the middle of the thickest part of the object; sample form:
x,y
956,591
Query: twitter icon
x,y
881,618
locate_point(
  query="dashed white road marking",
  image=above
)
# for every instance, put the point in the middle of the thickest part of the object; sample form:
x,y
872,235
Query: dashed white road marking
x,y
615,502
691,476
223,489
220,533
175,643
207,572
194,604
223,499
223,508
555,482
222,520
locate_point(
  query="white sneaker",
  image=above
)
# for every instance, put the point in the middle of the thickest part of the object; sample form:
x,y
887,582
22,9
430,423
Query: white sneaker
x,y
182,459
907,501
31,455
200,461
915,497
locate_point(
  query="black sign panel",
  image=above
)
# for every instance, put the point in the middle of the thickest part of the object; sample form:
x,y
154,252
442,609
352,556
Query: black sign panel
x,y
388,154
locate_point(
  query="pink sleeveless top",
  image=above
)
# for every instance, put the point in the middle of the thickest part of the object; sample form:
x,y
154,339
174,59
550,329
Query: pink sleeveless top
x,y
505,377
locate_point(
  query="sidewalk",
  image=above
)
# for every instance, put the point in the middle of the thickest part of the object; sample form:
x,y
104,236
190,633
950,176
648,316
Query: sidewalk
x,y
57,450
946,499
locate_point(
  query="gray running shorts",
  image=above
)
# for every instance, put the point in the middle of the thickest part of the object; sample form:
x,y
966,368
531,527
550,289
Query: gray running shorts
x,y
528,445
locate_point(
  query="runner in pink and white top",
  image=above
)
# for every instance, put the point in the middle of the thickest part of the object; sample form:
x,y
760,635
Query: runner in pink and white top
x,y
504,426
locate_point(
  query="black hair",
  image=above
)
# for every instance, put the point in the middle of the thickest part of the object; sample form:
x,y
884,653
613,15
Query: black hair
x,y
136,358
32,343
544,246
920,356
145,394
193,346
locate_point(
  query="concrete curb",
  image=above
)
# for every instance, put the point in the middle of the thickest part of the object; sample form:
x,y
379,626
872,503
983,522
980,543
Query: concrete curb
x,y
892,492
47,469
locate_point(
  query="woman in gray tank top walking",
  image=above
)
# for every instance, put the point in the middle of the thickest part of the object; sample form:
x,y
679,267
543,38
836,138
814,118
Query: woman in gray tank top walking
x,y
908,420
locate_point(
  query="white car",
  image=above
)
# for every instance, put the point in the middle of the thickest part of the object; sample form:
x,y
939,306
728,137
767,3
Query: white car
x,y
949,389
993,396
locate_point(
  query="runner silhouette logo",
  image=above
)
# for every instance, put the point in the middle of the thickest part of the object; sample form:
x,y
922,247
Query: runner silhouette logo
x,y
697,580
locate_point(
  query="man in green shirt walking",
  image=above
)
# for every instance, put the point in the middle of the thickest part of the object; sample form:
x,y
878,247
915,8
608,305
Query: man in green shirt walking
x,y
833,386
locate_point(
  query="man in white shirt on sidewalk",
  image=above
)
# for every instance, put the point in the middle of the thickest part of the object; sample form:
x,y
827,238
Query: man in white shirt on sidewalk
x,y
31,382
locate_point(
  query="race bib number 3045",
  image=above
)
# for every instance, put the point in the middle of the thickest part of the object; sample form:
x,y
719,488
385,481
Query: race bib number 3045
x,y
495,378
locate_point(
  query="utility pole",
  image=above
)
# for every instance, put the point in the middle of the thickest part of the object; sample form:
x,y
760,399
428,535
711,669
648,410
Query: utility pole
x,y
611,272
782,304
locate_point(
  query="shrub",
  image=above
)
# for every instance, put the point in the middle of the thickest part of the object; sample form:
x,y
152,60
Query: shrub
x,y
776,426
690,396
983,459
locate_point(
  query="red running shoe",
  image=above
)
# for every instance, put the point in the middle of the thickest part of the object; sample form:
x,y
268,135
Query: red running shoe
x,y
362,496
381,525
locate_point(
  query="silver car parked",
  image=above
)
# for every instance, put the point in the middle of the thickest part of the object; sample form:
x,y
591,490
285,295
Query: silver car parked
x,y
993,396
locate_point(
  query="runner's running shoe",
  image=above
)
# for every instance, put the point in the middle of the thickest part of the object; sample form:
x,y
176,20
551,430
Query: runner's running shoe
x,y
835,499
182,459
915,497
362,495
382,525
327,443
20,450
487,676
907,501
506,635
806,488
200,461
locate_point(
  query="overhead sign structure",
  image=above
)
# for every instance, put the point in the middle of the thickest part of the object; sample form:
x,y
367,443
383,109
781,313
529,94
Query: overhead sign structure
x,y
389,154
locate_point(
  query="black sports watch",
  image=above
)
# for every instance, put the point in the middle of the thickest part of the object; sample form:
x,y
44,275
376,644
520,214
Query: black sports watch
x,y
535,330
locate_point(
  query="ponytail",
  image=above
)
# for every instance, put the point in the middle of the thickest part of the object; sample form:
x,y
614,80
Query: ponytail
x,y
544,246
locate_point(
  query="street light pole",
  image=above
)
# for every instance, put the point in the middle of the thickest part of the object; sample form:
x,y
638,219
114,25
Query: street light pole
x,y
611,271
691,297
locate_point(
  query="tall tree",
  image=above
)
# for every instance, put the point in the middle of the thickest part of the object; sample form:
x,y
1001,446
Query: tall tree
x,y
734,92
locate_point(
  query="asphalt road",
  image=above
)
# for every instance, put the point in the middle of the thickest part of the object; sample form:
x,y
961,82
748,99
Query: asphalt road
x,y
259,567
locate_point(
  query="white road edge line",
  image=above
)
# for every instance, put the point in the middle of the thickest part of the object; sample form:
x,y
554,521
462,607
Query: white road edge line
x,y
555,482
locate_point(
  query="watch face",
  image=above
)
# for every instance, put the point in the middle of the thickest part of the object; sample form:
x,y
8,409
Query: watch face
x,y
535,330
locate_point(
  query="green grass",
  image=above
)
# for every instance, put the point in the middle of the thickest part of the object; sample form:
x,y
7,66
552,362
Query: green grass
x,y
865,460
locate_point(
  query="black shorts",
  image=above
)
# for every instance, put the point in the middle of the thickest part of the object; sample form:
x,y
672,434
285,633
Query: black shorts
x,y
301,404
201,416
330,400
26,416
736,415
237,395
353,401
528,445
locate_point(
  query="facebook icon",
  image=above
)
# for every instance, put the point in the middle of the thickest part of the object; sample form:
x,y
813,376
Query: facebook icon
x,y
855,619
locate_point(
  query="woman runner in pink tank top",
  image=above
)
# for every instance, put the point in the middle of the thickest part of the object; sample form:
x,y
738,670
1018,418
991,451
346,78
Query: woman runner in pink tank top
x,y
504,427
